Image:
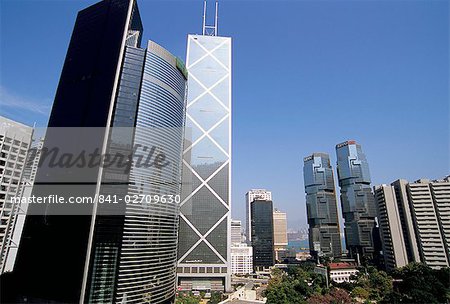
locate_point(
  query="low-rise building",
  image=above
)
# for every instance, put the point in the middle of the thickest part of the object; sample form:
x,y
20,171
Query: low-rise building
x,y
341,272
302,255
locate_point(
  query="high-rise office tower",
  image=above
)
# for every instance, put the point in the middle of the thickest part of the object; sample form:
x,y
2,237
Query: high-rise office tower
x,y
280,239
121,100
262,234
149,243
406,220
236,234
357,200
250,196
430,205
15,140
204,236
391,233
321,206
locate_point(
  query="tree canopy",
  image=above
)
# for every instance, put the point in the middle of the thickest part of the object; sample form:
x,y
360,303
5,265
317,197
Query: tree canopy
x,y
414,283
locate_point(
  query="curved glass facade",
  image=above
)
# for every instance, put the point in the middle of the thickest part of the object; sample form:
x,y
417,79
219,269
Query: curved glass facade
x,y
147,268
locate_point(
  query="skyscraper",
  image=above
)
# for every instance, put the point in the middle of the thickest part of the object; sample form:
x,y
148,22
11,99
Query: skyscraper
x,y
204,236
236,235
406,220
321,206
280,239
15,140
391,233
149,243
262,234
429,208
250,196
116,98
357,200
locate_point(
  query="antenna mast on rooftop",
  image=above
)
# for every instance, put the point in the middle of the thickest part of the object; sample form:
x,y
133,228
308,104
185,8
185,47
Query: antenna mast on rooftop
x,y
210,30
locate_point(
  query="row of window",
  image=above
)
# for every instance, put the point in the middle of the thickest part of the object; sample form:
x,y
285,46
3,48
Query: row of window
x,y
201,269
344,272
15,142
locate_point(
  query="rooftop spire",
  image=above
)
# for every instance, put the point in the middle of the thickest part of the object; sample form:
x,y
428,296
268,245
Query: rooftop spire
x,y
209,30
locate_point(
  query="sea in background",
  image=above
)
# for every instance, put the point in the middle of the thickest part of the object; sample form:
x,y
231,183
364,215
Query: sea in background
x,y
299,245
303,245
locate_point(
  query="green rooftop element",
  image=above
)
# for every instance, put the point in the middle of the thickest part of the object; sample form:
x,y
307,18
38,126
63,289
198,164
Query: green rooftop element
x,y
182,67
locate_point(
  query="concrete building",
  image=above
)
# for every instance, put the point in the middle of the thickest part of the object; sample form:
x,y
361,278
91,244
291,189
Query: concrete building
x,y
241,253
236,232
392,239
423,217
321,206
15,140
250,196
28,178
241,259
430,205
279,233
440,190
406,220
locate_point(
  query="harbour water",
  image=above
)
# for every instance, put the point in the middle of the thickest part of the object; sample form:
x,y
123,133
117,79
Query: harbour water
x,y
299,245
303,245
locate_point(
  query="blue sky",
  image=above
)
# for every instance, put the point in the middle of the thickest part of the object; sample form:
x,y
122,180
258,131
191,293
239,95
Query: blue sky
x,y
306,76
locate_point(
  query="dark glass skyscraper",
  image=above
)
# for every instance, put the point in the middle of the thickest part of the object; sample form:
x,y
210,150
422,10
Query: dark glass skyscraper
x,y
321,206
262,234
358,203
117,98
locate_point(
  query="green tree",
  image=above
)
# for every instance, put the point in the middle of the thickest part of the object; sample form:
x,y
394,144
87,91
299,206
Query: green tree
x,y
183,298
287,288
335,296
285,292
294,285
418,283
359,292
369,284
216,297
380,284
339,296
